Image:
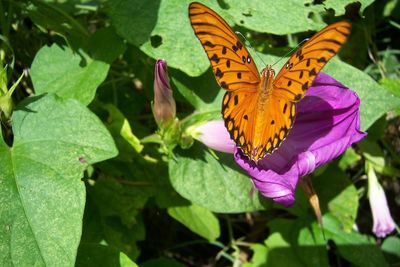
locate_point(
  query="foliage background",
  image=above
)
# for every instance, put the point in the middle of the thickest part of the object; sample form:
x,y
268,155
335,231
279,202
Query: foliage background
x,y
84,179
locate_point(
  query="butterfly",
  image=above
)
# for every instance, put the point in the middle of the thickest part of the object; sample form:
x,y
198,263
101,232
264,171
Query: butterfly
x,y
259,109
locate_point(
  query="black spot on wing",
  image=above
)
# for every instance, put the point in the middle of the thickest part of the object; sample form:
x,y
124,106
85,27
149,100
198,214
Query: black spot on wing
x,y
236,100
219,73
215,58
224,85
209,44
305,86
224,50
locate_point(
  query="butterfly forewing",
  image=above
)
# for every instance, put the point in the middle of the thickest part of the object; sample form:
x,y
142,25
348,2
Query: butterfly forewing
x,y
297,75
232,64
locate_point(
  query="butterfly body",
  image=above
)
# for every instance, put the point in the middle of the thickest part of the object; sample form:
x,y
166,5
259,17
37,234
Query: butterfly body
x,y
259,110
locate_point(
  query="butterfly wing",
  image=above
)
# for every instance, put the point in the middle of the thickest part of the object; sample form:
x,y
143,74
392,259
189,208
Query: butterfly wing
x,y
233,68
231,62
239,113
291,84
300,70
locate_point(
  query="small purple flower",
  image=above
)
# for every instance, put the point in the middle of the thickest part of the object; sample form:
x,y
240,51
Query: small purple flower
x,y
383,221
214,135
327,123
164,106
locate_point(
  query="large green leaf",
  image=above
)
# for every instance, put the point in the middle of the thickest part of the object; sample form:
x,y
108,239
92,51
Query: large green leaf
x,y
216,184
59,70
339,5
42,194
153,26
267,15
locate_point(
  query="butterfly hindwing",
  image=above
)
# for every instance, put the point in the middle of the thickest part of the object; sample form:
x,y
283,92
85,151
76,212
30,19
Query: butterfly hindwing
x,y
232,64
238,111
279,119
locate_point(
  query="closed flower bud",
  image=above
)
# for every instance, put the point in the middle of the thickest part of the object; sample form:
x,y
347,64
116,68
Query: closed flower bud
x,y
164,107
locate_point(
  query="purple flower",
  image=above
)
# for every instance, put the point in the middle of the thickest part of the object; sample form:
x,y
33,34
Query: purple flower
x,y
327,123
164,106
383,221
214,135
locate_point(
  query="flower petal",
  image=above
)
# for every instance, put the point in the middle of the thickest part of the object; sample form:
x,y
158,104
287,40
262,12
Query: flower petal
x,y
383,221
214,135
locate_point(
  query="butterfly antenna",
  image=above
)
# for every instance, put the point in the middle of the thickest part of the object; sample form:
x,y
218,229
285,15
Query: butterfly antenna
x,y
291,51
249,45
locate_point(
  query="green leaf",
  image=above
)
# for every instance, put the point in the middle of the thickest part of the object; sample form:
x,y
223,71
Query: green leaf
x,y
202,92
338,195
153,25
59,70
216,184
100,43
374,154
125,261
198,219
258,259
279,250
339,6
348,159
122,132
303,244
42,194
392,85
363,84
391,249
253,15
48,16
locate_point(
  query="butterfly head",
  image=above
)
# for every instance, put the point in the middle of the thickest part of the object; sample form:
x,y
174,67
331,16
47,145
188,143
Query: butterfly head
x,y
268,72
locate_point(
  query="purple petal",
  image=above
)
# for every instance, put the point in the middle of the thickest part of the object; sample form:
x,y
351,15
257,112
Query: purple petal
x,y
164,106
327,123
214,135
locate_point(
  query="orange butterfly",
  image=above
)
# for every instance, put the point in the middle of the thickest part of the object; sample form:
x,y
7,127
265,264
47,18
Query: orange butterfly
x,y
259,111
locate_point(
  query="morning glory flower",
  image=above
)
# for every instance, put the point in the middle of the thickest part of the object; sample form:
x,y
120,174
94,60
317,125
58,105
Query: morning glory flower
x,y
327,123
383,221
214,135
164,107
